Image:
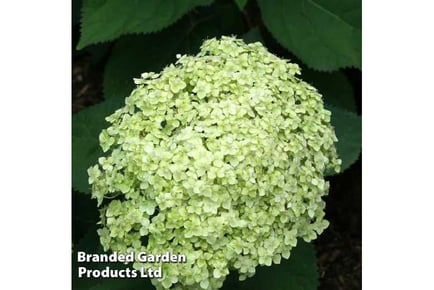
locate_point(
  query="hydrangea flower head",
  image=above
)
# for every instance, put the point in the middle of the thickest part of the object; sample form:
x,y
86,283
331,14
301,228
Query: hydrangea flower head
x,y
221,157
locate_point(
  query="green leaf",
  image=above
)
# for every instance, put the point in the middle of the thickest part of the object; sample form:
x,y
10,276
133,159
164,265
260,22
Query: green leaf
x,y
89,244
135,54
348,128
335,88
227,17
86,127
85,215
299,272
253,35
105,20
241,3
326,35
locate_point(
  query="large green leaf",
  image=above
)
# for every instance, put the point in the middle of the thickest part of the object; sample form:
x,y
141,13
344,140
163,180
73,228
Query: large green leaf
x,y
86,127
348,128
299,272
135,54
105,20
335,88
324,34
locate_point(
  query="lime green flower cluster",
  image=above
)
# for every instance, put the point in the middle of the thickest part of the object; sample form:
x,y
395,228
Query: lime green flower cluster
x,y
220,157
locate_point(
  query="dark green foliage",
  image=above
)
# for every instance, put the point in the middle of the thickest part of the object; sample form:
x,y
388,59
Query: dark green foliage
x,y
325,35
348,127
297,273
253,35
86,127
335,88
105,20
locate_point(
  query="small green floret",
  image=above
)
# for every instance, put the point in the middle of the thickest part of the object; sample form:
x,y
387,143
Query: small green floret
x,y
220,157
